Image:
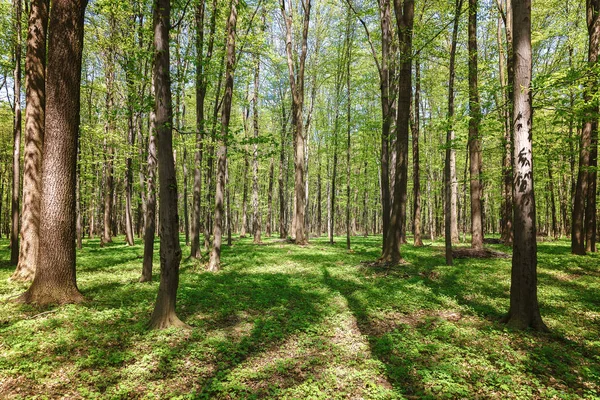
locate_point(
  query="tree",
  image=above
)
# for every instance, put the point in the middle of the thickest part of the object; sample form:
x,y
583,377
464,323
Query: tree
x,y
474,139
296,76
256,228
16,183
418,241
35,80
215,256
524,309
404,22
150,217
55,277
450,184
164,315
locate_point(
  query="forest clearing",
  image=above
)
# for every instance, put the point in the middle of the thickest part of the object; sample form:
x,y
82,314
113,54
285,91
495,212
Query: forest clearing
x,y
299,199
282,321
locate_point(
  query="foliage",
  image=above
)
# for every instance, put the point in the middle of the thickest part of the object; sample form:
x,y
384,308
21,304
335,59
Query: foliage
x,y
307,322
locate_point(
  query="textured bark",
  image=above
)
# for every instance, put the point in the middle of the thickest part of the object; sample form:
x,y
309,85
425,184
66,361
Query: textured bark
x,y
296,76
150,217
55,278
348,128
418,241
164,315
215,257
474,138
256,225
451,186
591,119
385,12
404,22
16,171
35,78
524,310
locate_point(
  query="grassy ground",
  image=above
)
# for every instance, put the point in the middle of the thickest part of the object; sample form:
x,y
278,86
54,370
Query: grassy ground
x,y
284,321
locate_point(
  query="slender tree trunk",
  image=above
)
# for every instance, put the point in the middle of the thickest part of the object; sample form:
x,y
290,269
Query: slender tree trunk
x,y
282,203
269,227
474,139
555,231
16,183
386,110
349,127
418,241
108,152
150,217
55,278
129,233
35,70
164,315
296,76
215,258
256,228
451,192
524,310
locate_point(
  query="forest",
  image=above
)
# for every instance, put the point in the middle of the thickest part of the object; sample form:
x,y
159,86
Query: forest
x,y
374,199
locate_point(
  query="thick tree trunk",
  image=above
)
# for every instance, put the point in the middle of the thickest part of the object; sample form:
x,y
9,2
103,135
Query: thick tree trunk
x,y
593,24
385,12
16,172
404,21
55,278
524,310
215,258
474,139
164,315
418,241
35,71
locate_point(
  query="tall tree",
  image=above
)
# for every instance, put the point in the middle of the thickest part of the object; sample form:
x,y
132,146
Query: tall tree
x,y
16,183
215,257
524,309
164,315
296,75
35,81
451,186
474,139
256,219
404,26
348,125
55,278
418,241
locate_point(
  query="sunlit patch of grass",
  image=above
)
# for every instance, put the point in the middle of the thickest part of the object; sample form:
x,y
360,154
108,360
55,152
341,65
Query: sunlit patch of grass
x,y
282,321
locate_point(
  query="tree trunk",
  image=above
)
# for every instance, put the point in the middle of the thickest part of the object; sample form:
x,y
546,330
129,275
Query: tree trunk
x,y
404,21
555,232
591,119
269,226
349,128
35,70
474,139
55,277
108,152
296,76
164,315
150,217
16,183
451,192
418,241
524,310
256,228
215,258
282,204
386,111
129,233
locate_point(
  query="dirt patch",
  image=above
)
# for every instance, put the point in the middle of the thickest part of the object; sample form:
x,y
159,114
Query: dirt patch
x,y
384,323
475,253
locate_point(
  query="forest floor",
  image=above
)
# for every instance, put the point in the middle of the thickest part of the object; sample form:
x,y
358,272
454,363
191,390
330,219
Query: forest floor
x,y
282,321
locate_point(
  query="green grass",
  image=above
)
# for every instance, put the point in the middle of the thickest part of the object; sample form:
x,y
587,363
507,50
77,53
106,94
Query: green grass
x,y
281,321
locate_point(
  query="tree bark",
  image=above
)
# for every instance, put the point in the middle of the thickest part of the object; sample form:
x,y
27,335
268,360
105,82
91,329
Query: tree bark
x,y
16,172
418,241
451,192
35,82
349,128
404,21
108,150
55,277
474,138
150,217
256,221
215,258
296,76
524,309
164,315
